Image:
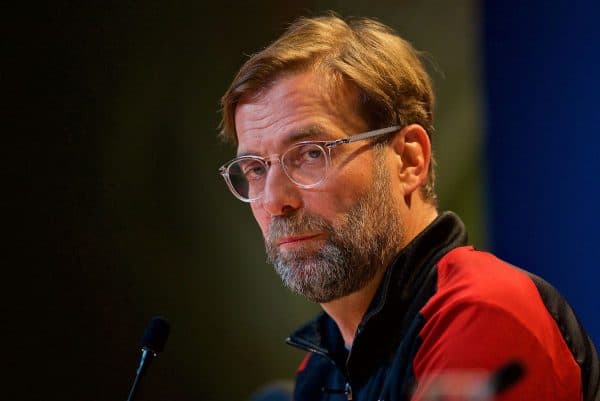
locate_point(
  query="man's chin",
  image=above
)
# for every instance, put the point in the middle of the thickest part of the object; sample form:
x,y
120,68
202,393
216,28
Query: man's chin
x,y
297,266
317,294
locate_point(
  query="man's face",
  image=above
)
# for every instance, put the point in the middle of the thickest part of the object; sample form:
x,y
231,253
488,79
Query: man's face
x,y
328,241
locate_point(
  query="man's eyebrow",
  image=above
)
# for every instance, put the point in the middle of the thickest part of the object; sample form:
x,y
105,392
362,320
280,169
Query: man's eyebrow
x,y
312,132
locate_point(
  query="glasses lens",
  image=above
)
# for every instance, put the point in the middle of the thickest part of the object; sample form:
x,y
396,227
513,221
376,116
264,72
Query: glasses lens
x,y
247,177
306,164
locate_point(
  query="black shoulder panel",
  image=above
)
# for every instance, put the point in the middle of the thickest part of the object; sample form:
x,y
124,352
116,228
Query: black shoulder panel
x,y
575,336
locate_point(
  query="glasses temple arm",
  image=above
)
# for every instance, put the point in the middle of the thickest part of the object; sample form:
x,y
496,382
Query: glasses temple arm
x,y
364,135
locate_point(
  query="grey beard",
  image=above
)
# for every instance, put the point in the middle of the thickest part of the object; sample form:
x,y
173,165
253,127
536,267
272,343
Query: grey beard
x,y
352,253
337,269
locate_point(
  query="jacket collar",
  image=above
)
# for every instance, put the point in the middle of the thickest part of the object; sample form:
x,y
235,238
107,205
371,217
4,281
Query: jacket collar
x,y
398,298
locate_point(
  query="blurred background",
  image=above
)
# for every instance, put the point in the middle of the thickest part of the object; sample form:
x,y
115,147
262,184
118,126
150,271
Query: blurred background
x,y
115,212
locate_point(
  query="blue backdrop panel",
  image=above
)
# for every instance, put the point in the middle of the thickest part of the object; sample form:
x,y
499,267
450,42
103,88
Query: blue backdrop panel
x,y
542,71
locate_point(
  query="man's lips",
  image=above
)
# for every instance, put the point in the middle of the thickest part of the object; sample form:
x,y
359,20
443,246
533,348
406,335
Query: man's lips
x,y
295,239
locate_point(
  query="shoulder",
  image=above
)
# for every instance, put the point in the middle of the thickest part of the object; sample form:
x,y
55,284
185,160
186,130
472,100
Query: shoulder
x,y
485,313
486,291
468,276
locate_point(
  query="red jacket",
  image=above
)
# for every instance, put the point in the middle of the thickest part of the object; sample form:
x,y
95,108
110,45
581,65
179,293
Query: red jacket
x,y
445,311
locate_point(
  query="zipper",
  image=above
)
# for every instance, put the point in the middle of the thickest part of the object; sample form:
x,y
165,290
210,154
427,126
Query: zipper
x,y
347,391
306,346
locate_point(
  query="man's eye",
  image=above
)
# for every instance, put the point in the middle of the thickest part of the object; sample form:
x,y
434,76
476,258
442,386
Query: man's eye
x,y
253,171
310,155
314,154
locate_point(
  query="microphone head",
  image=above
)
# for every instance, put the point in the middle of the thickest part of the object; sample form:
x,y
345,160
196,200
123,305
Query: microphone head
x,y
156,334
506,376
274,391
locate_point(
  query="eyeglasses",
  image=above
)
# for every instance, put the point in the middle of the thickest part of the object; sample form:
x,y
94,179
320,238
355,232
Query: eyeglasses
x,y
305,164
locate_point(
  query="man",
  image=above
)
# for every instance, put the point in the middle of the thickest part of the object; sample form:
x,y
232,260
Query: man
x,y
333,126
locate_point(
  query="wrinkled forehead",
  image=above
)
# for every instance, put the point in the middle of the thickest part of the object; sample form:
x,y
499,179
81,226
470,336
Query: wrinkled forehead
x,y
308,133
297,107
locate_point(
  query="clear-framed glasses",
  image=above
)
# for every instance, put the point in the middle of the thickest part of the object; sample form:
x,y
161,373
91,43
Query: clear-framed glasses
x,y
305,164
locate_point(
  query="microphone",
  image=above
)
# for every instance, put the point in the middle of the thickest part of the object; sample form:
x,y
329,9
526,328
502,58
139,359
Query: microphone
x,y
472,385
281,390
499,381
153,342
506,376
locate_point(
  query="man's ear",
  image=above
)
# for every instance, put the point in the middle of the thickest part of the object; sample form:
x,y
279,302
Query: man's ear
x,y
412,149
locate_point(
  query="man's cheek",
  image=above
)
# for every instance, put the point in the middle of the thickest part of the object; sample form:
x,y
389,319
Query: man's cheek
x,y
263,224
259,217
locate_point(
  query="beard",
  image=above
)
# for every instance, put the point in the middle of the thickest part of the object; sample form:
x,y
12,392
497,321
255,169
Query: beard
x,y
352,253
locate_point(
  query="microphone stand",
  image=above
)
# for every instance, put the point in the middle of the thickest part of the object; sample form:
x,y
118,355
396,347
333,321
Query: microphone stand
x,y
152,343
145,360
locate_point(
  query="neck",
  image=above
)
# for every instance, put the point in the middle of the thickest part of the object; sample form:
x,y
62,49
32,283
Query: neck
x,y
348,311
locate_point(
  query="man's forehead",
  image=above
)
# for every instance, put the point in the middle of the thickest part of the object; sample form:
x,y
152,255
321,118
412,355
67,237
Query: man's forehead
x,y
252,142
295,107
309,131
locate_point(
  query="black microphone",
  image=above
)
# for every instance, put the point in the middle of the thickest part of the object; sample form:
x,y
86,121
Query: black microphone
x,y
499,381
282,390
153,342
473,385
506,376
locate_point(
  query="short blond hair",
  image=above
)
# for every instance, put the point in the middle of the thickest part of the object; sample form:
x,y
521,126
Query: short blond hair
x,y
387,72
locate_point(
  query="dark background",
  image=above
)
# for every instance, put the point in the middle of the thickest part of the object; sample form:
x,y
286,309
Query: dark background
x,y
115,213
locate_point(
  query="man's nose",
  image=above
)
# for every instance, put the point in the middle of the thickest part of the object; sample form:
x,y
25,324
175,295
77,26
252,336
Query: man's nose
x,y
281,196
